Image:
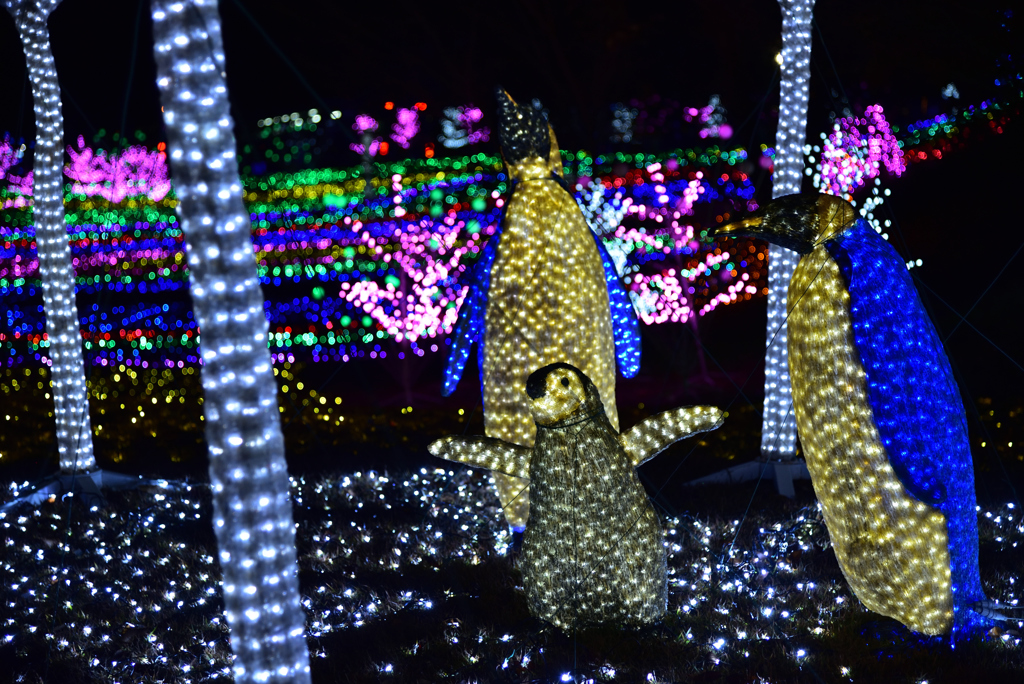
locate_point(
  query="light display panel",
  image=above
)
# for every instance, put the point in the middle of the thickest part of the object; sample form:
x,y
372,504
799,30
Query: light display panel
x,y
248,473
315,231
55,269
594,549
778,432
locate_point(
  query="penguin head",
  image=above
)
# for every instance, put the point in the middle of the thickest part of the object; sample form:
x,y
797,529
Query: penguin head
x,y
524,132
797,222
560,392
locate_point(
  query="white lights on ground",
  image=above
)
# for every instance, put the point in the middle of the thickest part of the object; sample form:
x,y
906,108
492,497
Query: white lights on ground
x,y
67,368
253,517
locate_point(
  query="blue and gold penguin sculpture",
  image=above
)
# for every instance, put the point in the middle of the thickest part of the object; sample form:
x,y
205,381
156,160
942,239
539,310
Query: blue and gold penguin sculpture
x,y
879,416
594,549
544,290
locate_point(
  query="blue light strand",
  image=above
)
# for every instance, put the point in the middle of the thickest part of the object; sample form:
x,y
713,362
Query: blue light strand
x,y
625,324
469,329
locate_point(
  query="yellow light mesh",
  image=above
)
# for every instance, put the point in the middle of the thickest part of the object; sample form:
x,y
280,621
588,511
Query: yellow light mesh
x,y
548,302
892,548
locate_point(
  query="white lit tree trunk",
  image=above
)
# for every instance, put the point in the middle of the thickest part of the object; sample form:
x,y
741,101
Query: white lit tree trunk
x,y
67,366
252,504
778,433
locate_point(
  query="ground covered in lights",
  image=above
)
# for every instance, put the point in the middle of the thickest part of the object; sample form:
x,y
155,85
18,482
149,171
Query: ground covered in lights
x,y
408,577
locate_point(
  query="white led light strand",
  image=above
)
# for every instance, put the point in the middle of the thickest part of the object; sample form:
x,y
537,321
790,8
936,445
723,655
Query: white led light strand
x,y
778,432
252,506
67,368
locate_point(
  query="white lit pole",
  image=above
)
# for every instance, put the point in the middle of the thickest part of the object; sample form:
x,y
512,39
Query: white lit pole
x,y
252,504
67,366
778,432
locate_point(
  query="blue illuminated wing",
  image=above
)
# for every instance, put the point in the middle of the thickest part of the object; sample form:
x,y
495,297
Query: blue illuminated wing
x,y
469,329
914,398
625,326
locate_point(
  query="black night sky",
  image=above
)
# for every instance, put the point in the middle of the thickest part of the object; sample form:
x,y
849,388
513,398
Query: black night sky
x,y
577,57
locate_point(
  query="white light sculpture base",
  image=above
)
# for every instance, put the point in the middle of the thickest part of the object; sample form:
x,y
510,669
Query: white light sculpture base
x,y
251,500
67,366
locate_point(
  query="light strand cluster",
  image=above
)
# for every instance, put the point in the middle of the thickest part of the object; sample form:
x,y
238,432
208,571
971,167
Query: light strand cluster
x,y
316,230
421,556
57,275
248,473
132,172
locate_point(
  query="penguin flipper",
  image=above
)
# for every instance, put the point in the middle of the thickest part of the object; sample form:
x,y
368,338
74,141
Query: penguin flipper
x,y
913,395
485,452
625,325
650,437
469,329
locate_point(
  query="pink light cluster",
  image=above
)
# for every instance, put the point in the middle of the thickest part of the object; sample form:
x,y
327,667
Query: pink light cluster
x,y
365,124
134,172
19,186
469,117
420,306
856,150
16,268
665,297
712,116
690,194
408,125
8,156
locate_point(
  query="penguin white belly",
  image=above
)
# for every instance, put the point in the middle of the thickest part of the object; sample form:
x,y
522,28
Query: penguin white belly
x,y
547,303
893,549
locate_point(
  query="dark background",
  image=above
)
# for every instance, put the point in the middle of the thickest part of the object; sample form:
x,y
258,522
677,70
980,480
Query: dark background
x,y
960,215
577,57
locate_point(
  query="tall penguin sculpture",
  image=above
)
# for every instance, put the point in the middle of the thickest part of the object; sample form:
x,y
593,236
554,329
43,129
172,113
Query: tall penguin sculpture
x,y
544,291
879,417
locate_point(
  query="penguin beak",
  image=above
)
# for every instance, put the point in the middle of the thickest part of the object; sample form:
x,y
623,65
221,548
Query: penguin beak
x,y
748,225
789,227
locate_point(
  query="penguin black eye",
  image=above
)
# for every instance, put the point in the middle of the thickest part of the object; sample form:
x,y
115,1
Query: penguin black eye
x,y
565,382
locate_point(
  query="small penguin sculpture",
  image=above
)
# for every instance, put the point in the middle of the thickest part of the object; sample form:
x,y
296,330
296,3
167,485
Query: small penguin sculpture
x,y
879,417
544,290
593,550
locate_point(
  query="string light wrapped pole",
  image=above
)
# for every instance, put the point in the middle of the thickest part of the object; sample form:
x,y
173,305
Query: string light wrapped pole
x,y
252,505
778,430
67,366
778,433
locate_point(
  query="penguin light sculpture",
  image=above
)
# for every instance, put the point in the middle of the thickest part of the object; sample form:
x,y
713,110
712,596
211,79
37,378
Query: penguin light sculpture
x,y
879,417
593,550
544,290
